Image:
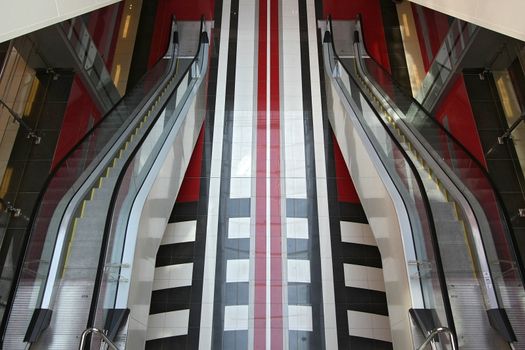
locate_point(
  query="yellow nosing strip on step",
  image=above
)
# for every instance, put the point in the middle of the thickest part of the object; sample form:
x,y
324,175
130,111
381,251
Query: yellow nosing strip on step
x,y
447,195
82,208
73,233
455,209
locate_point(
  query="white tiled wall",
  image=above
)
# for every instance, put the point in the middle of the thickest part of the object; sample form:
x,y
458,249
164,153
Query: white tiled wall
x,y
361,324
236,317
168,324
300,318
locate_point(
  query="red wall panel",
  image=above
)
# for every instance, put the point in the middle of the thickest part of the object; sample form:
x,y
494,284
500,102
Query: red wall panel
x,y
184,11
103,27
80,110
436,24
456,107
373,31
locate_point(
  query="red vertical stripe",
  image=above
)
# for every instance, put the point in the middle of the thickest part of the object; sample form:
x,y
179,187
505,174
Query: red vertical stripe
x,y
374,33
260,202
276,310
276,306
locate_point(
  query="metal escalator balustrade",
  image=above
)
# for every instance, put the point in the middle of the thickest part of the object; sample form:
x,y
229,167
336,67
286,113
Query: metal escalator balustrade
x,y
182,115
78,185
427,281
484,229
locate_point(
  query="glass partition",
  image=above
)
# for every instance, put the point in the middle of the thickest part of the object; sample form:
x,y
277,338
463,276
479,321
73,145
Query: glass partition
x,y
446,61
91,62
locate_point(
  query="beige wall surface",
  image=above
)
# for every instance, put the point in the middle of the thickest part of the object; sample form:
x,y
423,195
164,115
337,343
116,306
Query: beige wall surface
x,y
20,17
503,16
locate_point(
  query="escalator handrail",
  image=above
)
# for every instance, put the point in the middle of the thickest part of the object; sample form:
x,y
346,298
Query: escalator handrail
x,y
421,188
120,179
28,232
509,233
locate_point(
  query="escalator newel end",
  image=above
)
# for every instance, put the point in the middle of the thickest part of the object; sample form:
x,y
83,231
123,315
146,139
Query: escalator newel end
x,y
327,37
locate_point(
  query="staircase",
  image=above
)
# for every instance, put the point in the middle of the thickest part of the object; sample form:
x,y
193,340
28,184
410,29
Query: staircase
x,y
74,285
460,268
465,294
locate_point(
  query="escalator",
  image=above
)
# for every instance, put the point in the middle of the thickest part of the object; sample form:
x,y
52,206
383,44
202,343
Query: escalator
x,y
458,242
79,252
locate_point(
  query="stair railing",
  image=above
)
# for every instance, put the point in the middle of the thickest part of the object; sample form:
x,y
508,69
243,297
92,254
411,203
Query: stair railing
x,y
83,338
437,331
31,134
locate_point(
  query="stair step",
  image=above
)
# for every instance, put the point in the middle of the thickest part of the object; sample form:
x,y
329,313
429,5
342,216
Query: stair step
x,y
89,228
95,208
449,230
442,209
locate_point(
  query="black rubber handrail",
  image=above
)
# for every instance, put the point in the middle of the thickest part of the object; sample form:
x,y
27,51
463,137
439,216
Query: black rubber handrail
x,y
509,233
421,187
114,195
38,202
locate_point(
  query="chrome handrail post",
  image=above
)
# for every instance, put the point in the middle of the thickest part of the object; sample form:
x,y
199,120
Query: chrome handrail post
x,y
436,331
99,332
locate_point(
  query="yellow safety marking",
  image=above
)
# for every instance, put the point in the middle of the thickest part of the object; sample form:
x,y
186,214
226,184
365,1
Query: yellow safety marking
x,y
68,253
447,196
82,208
